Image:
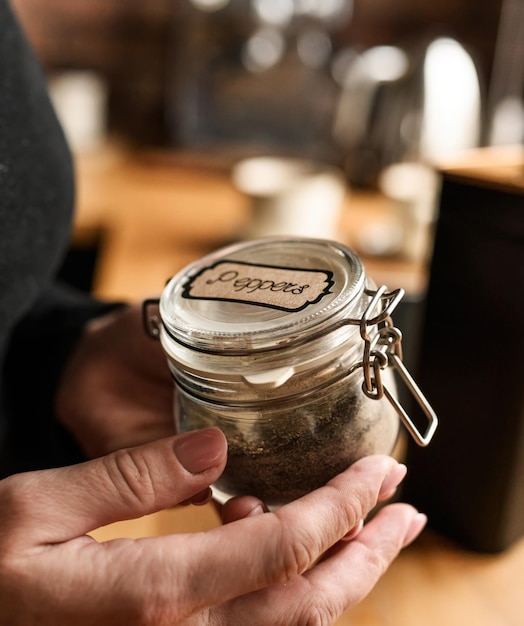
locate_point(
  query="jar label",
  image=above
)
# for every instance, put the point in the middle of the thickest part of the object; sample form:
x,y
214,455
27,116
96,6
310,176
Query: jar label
x,y
284,288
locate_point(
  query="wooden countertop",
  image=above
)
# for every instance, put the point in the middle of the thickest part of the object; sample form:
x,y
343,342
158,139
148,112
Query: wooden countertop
x,y
500,167
155,212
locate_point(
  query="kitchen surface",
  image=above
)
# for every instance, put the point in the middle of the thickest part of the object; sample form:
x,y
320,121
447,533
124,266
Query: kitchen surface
x,y
151,212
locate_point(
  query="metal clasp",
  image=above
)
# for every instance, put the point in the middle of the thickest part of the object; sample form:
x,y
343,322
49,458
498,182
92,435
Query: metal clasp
x,y
151,321
385,349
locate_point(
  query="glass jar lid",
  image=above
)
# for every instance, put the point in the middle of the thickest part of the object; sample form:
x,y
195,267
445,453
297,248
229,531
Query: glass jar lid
x,y
262,294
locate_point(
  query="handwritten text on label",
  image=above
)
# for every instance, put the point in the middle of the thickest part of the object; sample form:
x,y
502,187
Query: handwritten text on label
x,y
289,289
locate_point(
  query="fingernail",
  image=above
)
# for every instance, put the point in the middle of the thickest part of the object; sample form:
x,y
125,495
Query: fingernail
x,y
392,481
258,509
417,525
203,498
200,450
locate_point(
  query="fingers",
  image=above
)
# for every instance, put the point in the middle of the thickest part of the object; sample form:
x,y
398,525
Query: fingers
x,y
256,552
354,568
116,390
61,504
239,508
339,582
282,545
199,499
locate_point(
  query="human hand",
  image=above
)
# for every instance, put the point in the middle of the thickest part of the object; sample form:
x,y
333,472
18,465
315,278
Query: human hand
x,y
258,569
116,390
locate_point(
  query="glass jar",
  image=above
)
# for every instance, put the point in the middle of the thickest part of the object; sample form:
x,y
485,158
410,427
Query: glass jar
x,y
285,345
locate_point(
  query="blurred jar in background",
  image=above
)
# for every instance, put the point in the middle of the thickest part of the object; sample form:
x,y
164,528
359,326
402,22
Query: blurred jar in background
x,y
80,101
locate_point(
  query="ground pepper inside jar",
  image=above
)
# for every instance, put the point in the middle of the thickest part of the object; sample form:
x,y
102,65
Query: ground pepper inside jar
x,y
283,453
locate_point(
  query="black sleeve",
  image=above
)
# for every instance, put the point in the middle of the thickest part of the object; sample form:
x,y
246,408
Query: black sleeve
x,y
36,355
39,325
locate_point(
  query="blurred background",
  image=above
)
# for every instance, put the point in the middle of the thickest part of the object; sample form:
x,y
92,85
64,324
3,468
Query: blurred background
x,y
248,75
383,91
394,126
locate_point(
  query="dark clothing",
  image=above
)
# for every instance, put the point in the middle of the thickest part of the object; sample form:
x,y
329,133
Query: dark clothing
x,y
39,322
36,178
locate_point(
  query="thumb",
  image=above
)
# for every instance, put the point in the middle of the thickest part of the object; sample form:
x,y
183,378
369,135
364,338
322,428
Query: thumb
x,y
61,504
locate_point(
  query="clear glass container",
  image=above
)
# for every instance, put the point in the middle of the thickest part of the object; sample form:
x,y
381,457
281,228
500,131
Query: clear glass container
x,y
285,345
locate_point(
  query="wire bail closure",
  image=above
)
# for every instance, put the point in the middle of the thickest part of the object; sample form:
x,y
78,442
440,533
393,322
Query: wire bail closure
x,y
383,350
151,321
